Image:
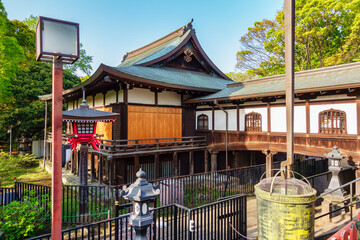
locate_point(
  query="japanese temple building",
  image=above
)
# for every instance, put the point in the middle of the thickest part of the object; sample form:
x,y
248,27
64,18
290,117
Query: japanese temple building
x,y
169,93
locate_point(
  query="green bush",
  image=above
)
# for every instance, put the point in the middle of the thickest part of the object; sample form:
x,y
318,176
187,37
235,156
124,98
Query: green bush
x,y
25,219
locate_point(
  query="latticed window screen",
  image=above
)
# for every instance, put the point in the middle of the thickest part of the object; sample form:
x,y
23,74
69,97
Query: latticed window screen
x,y
85,128
253,122
203,122
332,121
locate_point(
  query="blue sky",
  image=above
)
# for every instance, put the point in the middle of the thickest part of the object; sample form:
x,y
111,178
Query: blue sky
x,y
110,28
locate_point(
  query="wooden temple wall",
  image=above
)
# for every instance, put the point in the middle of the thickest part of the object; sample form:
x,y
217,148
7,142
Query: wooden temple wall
x,y
154,122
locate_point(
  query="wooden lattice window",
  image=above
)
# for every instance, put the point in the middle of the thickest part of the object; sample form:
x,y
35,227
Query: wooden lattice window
x,y
202,122
332,121
253,122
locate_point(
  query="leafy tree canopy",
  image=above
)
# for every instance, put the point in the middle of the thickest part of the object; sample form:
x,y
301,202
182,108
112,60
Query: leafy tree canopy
x,y
22,79
327,32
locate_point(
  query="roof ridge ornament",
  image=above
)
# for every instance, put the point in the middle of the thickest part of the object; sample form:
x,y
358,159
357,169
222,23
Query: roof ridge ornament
x,y
125,56
187,27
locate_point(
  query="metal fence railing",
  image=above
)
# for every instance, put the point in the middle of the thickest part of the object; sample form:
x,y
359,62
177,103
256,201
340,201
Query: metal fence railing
x,y
224,219
7,195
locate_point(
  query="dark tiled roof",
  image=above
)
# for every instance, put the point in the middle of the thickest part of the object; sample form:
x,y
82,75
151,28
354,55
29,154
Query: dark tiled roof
x,y
87,114
176,77
335,77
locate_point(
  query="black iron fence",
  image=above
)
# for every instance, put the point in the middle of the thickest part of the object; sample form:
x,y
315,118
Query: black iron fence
x,y
224,219
7,195
100,202
188,190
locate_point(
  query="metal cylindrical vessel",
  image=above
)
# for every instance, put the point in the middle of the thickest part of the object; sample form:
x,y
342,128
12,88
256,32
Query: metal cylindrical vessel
x,y
285,209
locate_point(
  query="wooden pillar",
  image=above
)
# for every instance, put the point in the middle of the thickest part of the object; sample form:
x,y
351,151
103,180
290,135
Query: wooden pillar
x,y
269,162
206,162
357,185
110,170
358,121
100,164
214,161
157,166
307,113
92,167
136,165
175,164
191,162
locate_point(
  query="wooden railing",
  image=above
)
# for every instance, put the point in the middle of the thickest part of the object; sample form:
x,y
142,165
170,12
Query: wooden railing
x,y
304,143
151,144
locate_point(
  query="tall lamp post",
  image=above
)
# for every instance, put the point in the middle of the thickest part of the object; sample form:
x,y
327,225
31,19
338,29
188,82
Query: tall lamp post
x,y
57,41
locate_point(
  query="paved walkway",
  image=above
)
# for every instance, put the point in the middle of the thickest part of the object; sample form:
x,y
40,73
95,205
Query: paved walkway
x,y
321,229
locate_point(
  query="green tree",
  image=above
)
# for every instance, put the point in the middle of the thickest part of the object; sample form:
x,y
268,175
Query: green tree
x,y
11,53
326,33
26,108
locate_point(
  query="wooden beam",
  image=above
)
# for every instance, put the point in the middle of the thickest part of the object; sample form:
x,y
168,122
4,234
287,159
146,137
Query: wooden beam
x,y
206,162
268,108
214,161
237,118
175,164
92,159
191,162
136,165
157,166
269,162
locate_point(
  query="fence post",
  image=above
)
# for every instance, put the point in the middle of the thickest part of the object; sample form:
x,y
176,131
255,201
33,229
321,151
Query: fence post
x,y
117,228
175,221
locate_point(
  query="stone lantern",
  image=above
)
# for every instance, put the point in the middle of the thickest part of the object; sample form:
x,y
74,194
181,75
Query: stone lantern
x,y
141,192
335,166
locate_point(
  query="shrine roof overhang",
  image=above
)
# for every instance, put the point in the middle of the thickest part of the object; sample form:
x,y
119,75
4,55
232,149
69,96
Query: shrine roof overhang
x,y
86,114
346,76
152,77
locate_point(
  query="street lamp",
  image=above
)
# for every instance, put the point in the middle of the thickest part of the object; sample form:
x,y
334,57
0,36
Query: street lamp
x,y
83,122
58,42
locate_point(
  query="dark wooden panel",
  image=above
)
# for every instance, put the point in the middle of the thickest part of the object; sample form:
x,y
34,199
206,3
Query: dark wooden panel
x,y
188,121
146,122
120,124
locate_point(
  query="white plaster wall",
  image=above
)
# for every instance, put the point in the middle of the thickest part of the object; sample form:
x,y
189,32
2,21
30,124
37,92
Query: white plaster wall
x,y
348,108
244,111
169,98
99,100
220,119
278,119
70,105
299,119
110,97
121,96
139,95
89,101
79,102
209,114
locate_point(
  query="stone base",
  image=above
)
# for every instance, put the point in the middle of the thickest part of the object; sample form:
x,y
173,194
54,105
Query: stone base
x,y
331,203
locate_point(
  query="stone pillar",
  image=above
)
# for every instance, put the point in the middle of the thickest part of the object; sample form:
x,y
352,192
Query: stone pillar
x,y
269,162
214,161
191,162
